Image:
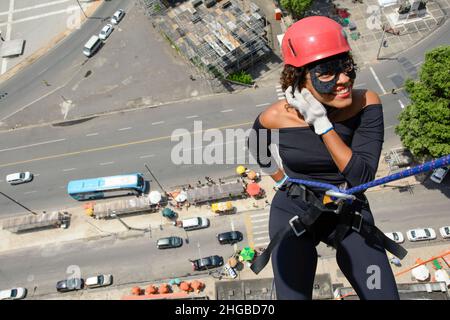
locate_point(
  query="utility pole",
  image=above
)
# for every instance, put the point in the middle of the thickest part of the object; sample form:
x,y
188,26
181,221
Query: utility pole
x,y
18,203
82,10
381,43
160,186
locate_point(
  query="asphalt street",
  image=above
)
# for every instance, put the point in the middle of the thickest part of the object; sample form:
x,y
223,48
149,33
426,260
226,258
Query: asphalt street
x,y
129,261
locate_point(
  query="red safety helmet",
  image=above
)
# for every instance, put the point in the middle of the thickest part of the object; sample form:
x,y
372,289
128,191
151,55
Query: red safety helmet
x,y
311,39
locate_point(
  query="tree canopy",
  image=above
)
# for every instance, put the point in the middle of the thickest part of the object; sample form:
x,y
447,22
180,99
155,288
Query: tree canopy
x,y
296,7
424,126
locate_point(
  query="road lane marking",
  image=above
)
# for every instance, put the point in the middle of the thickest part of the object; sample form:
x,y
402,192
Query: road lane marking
x,y
32,145
359,85
147,156
36,174
123,129
41,6
401,104
121,145
262,238
34,191
260,220
260,232
232,229
377,80
228,110
67,170
8,33
92,134
262,244
279,90
106,163
260,214
44,15
262,105
191,117
418,63
261,226
156,123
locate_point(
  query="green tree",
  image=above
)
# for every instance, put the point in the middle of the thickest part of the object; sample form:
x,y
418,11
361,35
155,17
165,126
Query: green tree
x,y
296,7
424,126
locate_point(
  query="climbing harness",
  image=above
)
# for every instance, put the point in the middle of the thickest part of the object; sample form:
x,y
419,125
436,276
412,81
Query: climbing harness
x,y
340,202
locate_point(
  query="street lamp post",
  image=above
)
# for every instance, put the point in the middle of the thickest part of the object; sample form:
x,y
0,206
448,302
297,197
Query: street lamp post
x,y
82,10
18,203
381,43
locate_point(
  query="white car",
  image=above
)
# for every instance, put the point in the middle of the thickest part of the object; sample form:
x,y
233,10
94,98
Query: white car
x,y
106,31
13,294
19,177
445,232
421,234
117,16
439,174
102,280
395,236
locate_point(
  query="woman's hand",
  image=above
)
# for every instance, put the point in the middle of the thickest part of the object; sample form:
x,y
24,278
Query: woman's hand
x,y
312,110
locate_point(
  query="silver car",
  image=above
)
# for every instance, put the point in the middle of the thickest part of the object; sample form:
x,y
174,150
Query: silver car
x,y
106,31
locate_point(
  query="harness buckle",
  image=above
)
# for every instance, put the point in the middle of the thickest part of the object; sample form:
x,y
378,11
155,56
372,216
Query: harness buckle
x,y
357,222
291,223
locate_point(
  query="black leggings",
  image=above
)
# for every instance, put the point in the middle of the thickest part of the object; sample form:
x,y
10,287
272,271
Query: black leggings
x,y
294,260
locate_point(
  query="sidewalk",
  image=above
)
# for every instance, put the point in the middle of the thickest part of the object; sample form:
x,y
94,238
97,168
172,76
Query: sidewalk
x,y
52,27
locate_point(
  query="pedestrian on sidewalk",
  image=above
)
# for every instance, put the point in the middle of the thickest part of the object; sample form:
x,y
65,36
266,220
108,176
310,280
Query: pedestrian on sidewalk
x,y
329,132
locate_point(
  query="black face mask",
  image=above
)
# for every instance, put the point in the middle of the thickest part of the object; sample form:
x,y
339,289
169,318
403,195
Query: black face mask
x,y
324,75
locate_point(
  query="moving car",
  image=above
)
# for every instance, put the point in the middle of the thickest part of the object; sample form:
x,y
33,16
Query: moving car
x,y
102,280
396,236
19,177
13,294
195,223
439,174
445,232
117,16
421,234
230,237
106,31
169,242
69,285
207,263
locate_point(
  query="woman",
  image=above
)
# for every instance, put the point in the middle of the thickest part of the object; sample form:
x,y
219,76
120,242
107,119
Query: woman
x,y
328,132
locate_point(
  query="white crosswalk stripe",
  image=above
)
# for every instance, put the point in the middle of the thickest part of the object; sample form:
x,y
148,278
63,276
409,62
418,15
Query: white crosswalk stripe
x,y
260,229
280,93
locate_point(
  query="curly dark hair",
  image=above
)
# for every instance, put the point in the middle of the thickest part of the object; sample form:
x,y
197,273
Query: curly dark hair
x,y
290,74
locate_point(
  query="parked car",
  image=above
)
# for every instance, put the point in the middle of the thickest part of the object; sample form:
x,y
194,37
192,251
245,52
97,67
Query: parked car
x,y
421,234
231,272
169,242
19,177
106,31
117,16
230,237
69,285
396,236
207,263
13,294
439,174
102,280
445,232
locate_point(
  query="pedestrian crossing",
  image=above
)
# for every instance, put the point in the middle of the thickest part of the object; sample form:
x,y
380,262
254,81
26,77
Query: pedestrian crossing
x,y
280,93
258,229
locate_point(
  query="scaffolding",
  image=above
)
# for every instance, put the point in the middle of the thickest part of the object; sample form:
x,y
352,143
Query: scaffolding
x,y
222,39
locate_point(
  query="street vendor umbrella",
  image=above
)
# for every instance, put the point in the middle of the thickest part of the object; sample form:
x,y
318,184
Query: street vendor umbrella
x,y
421,273
240,170
251,175
154,197
164,288
247,254
197,285
185,286
253,189
181,197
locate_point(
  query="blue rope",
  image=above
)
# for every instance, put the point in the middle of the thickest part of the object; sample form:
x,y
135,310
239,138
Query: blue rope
x,y
427,166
